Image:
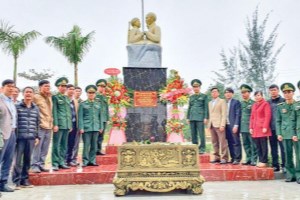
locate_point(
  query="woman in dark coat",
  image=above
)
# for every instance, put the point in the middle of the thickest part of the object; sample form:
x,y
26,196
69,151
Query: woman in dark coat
x,y
260,127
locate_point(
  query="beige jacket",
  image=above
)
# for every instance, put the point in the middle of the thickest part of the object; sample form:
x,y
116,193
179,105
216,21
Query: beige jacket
x,y
217,113
45,106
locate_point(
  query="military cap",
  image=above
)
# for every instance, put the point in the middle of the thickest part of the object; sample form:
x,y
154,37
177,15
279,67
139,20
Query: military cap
x,y
298,84
101,82
196,82
245,88
61,81
91,88
7,81
287,87
229,90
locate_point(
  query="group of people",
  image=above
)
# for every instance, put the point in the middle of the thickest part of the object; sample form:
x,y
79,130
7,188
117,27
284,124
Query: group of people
x,y
276,120
26,128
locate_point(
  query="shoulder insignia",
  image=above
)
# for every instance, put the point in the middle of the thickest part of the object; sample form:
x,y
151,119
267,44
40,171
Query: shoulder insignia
x,y
280,103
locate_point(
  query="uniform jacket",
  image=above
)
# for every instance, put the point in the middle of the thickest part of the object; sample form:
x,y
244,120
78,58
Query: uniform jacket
x,y
246,112
104,106
260,118
89,116
296,117
273,103
61,111
234,112
217,113
28,121
5,119
198,107
45,108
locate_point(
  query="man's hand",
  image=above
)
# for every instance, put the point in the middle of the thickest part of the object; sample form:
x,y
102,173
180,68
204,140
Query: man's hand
x,y
279,137
222,128
205,121
71,129
188,121
36,142
81,131
235,129
251,131
101,131
295,138
264,130
55,129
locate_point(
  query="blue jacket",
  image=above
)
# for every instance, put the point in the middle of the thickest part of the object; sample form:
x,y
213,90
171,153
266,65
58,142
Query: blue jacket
x,y
235,113
28,121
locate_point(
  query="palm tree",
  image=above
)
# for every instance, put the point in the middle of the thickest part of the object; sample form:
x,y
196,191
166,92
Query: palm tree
x,y
14,43
73,46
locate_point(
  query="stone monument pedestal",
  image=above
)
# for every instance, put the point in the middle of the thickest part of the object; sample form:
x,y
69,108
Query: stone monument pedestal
x,y
144,55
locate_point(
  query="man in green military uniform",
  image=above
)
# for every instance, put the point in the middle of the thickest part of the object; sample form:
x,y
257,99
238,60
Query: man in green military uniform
x,y
248,143
286,129
90,126
197,115
102,98
297,145
62,125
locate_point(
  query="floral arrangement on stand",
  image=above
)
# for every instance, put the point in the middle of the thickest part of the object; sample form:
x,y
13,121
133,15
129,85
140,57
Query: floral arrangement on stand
x,y
175,93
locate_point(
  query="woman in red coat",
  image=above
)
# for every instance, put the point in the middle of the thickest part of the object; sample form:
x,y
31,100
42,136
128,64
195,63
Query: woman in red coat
x,y
260,127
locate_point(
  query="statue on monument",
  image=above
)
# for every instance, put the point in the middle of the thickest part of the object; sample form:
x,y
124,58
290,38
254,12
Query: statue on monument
x,y
143,47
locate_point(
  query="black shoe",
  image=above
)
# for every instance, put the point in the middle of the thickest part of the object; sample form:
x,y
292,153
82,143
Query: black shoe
x,y
236,162
290,180
246,163
100,154
72,164
215,161
26,184
253,163
223,162
64,167
93,164
276,169
5,188
55,168
35,169
44,169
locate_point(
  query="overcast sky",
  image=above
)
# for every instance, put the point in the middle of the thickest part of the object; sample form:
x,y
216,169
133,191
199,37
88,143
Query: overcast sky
x,y
193,34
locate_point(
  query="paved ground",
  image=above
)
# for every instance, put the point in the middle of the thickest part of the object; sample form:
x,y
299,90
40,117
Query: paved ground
x,y
238,190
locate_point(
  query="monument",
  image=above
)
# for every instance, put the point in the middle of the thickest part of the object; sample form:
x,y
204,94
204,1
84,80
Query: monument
x,y
145,75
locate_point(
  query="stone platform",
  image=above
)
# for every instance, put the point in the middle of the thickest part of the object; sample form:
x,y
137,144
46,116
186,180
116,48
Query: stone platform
x,y
106,172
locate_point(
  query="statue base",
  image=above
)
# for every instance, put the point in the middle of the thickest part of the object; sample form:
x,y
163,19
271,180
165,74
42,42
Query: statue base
x,y
145,55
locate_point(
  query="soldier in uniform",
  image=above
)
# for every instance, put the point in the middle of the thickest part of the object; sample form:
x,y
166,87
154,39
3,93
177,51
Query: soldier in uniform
x,y
102,98
286,129
197,115
297,118
62,125
90,126
248,143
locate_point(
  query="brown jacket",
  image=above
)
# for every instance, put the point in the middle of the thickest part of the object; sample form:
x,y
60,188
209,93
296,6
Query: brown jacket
x,y
45,106
217,113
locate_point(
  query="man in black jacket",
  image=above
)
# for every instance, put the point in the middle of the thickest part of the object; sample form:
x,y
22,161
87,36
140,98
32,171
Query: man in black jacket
x,y
27,137
274,101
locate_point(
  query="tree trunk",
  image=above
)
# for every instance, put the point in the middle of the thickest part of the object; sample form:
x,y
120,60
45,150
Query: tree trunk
x,y
15,69
76,74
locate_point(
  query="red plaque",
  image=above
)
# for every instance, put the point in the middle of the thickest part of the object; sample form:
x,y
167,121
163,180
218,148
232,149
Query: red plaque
x,y
145,99
112,71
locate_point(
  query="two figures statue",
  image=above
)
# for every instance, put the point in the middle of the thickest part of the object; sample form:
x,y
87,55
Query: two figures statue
x,y
152,36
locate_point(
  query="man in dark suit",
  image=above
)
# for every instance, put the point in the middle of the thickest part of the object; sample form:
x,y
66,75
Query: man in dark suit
x,y
233,126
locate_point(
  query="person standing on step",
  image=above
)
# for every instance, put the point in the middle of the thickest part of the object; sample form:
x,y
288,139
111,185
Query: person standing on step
x,y
260,127
248,142
62,125
90,126
233,126
103,99
71,157
27,137
293,174
274,101
217,121
43,101
197,115
8,125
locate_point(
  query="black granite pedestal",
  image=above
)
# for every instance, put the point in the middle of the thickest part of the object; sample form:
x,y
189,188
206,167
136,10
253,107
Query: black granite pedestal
x,y
146,122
